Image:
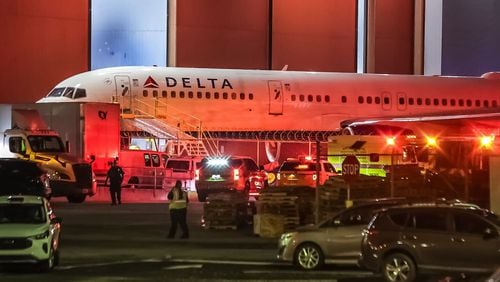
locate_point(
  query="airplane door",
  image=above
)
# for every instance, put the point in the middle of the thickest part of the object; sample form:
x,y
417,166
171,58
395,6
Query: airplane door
x,y
401,102
386,101
275,97
123,92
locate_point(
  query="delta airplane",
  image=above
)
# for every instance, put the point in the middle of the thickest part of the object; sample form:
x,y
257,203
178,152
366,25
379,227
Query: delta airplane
x,y
262,100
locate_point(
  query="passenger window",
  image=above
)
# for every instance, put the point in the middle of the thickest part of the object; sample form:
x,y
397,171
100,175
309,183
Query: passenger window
x,y
344,99
436,102
156,160
427,101
301,98
461,102
318,98
147,160
17,145
164,159
453,102
494,104
444,102
250,96
190,94
293,98
478,103
199,95
233,96
155,93
242,96
399,219
172,94
145,93
469,103
419,101
224,95
328,167
369,99
181,94
327,98
377,100
361,100
309,98
401,100
216,95
207,95
466,223
486,103
435,221
387,101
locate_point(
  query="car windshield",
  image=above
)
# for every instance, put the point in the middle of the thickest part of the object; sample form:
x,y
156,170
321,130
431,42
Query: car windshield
x,y
43,143
21,213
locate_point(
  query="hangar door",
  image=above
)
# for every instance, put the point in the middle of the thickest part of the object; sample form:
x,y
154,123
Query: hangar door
x,y
275,97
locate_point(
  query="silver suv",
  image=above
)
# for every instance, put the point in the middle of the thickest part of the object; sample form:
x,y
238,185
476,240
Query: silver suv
x,y
403,241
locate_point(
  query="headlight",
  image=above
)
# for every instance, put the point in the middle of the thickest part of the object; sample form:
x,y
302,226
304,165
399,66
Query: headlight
x,y
55,175
286,238
41,235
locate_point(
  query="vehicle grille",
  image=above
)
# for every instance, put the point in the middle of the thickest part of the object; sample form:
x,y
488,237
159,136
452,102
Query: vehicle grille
x,y
14,243
83,174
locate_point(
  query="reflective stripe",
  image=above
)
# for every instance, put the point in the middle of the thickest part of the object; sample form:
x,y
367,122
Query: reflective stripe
x,y
177,203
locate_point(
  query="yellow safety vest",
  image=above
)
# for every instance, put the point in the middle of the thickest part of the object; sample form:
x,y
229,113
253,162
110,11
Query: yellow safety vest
x,y
176,202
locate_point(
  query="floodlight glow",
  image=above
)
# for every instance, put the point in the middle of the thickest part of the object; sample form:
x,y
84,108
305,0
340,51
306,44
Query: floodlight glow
x,y
391,141
431,141
487,141
218,162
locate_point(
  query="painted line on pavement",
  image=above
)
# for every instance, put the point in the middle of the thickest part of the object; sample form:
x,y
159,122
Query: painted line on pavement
x,y
235,262
184,266
67,267
342,273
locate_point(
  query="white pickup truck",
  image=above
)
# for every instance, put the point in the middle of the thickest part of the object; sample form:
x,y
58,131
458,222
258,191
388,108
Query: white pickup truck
x,y
183,169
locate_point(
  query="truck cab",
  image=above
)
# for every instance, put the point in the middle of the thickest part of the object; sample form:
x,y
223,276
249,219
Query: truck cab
x,y
68,175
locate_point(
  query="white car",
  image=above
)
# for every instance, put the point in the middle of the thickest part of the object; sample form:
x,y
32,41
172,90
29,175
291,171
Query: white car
x,y
29,231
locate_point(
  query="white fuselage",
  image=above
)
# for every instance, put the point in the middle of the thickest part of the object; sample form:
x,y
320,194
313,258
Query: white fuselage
x,y
248,100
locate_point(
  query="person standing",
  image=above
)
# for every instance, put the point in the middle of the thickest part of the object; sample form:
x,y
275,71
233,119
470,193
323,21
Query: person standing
x,y
178,210
115,176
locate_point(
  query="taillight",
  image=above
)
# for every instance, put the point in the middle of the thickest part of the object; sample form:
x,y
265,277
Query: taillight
x,y
236,174
315,176
197,175
278,176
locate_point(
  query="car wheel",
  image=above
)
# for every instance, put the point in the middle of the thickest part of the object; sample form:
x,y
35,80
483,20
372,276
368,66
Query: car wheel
x,y
76,199
308,257
399,268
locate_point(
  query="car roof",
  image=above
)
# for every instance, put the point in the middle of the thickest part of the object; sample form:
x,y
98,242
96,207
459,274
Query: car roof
x,y
21,199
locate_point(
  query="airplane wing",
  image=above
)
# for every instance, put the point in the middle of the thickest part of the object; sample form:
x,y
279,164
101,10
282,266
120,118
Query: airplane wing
x,y
484,121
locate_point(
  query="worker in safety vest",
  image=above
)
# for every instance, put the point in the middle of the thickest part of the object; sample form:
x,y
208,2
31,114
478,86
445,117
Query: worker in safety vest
x,y
178,210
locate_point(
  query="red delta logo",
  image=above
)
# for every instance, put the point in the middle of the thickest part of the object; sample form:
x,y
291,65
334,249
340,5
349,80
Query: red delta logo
x,y
150,83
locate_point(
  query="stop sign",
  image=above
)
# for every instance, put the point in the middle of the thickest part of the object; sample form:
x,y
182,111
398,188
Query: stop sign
x,y
350,168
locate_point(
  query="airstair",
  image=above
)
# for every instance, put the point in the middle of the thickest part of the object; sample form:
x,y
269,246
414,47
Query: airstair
x,y
183,131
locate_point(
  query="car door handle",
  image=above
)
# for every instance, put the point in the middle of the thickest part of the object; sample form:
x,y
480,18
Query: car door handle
x,y
457,240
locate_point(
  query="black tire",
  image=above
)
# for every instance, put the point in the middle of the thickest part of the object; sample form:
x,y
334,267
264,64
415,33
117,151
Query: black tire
x,y
399,267
77,199
308,257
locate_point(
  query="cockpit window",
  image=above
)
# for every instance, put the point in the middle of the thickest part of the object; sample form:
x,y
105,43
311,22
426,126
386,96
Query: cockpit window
x,y
80,93
68,93
57,92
